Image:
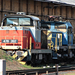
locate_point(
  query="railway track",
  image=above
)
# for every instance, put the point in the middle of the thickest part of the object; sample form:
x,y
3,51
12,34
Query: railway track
x,y
45,71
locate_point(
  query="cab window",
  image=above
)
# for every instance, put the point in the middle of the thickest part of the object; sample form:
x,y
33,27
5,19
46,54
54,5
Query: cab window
x,y
19,21
24,21
61,27
12,21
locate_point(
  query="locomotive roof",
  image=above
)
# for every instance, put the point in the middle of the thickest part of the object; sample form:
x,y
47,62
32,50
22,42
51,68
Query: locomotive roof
x,y
57,22
53,21
17,15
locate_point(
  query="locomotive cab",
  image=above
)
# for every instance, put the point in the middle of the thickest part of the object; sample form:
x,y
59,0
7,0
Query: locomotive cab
x,y
16,31
58,34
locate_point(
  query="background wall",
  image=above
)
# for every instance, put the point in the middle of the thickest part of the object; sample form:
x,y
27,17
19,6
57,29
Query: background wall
x,y
37,8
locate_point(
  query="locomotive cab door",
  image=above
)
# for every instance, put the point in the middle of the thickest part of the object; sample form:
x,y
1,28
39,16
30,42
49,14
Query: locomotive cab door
x,y
57,40
54,40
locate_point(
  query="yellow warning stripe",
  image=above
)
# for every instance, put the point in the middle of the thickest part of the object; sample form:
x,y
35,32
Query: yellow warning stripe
x,y
23,63
48,31
23,56
14,56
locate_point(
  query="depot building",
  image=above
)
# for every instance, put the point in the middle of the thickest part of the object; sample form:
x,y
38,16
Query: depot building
x,y
40,8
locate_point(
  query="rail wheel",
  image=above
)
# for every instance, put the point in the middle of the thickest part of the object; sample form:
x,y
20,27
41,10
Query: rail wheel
x,y
21,56
33,58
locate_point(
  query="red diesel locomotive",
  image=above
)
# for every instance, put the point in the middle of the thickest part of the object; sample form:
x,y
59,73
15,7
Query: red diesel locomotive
x,y
22,37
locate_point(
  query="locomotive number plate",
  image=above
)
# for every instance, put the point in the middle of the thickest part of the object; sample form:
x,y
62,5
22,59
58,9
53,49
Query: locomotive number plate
x,y
9,41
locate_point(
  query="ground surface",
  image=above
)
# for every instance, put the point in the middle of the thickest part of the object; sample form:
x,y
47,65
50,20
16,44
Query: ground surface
x,y
12,64
67,72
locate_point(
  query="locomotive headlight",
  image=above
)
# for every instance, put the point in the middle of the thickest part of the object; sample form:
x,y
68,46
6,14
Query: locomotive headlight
x,y
18,47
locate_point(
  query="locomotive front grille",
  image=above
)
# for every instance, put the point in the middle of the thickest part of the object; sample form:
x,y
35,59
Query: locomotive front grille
x,y
11,42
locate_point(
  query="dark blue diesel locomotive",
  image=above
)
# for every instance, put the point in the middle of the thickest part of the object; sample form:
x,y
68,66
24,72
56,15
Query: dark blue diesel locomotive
x,y
59,38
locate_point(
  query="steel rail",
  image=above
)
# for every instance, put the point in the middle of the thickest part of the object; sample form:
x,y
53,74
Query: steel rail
x,y
39,71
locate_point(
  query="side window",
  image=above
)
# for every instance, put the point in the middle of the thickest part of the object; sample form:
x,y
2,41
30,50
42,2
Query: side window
x,y
31,22
37,24
69,30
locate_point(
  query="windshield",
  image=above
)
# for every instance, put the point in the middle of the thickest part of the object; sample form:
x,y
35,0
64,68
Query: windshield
x,y
18,21
61,27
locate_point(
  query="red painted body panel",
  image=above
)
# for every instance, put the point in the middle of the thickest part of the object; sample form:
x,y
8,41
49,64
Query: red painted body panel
x,y
23,37
11,34
27,40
